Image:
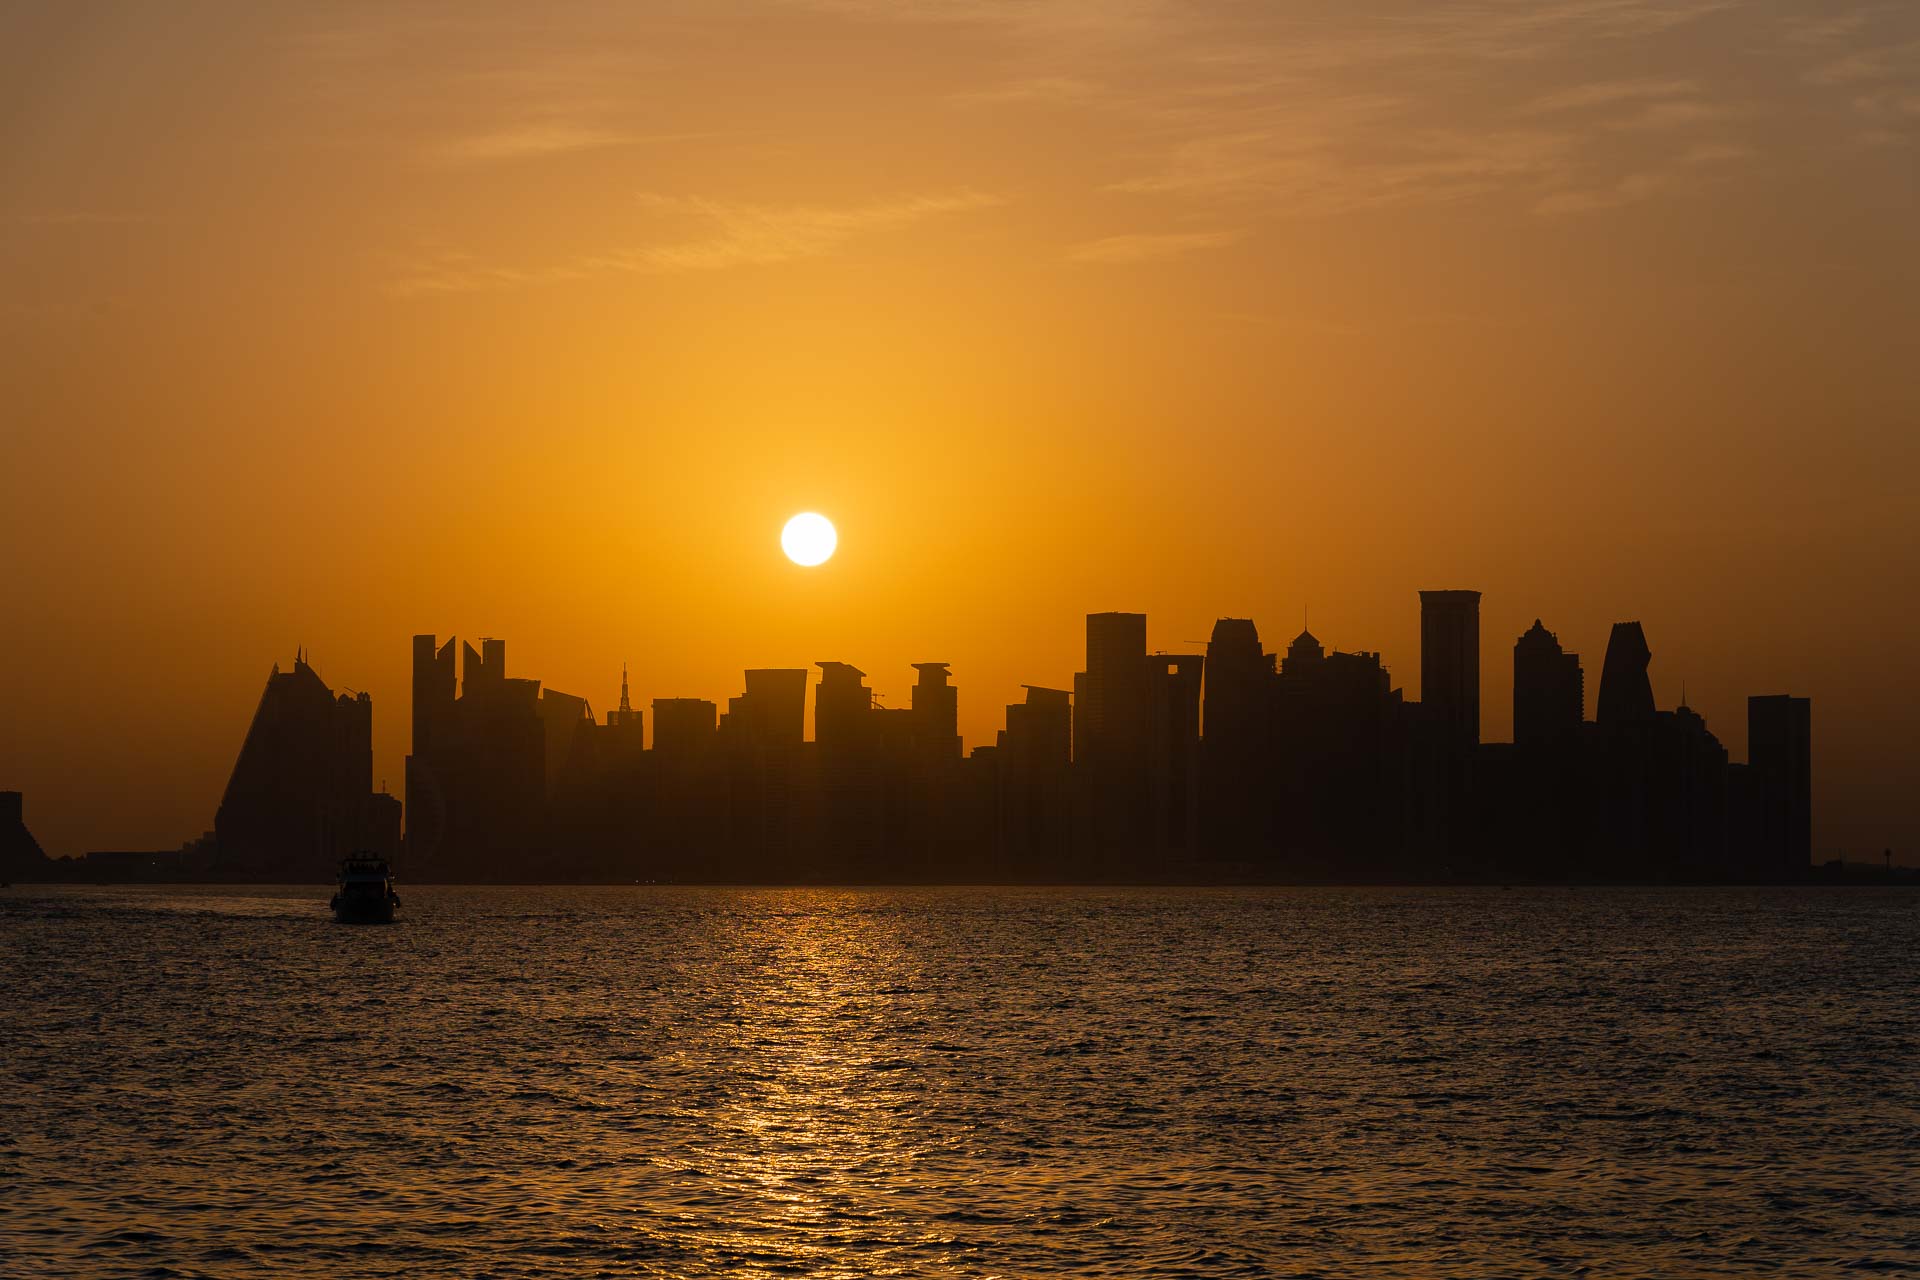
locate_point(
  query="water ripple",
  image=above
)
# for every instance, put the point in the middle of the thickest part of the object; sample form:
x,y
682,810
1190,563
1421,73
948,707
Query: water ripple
x,y
990,1083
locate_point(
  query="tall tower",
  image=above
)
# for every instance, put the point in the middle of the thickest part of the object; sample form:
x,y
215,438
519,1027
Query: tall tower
x,y
1450,663
842,707
626,718
1111,704
1626,694
1238,678
1780,752
433,688
936,713
1549,689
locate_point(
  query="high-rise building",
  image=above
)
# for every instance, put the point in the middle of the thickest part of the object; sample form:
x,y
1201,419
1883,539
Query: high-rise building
x,y
1549,690
936,713
1450,664
1303,653
1173,714
1335,782
683,728
433,689
300,797
779,704
1236,742
1110,696
1626,692
1780,762
842,708
1239,684
623,741
21,857
1039,732
625,716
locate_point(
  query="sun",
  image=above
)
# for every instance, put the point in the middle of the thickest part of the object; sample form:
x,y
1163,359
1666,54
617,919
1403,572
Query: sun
x,y
809,539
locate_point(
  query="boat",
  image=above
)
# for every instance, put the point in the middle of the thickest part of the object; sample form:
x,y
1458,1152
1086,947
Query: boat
x,y
364,894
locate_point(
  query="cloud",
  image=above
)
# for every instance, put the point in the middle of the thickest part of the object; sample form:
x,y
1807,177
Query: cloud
x,y
1035,89
1631,189
78,218
1686,168
1149,247
1609,93
743,235
1876,62
526,141
1294,174
759,235
1312,118
1679,115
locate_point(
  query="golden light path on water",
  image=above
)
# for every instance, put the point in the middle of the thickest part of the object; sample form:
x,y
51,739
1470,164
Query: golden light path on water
x,y
976,1083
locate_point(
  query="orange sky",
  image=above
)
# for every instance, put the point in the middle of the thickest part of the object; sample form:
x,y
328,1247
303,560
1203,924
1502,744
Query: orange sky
x,y
330,325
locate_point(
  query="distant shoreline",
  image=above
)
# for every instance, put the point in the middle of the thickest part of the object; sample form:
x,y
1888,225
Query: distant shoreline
x,y
1856,876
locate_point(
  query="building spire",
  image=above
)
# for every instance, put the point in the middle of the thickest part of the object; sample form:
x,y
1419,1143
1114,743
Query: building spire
x,y
625,705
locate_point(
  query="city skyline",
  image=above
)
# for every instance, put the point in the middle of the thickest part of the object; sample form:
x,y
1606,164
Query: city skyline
x,y
1490,719
1306,763
323,326
980,720
959,637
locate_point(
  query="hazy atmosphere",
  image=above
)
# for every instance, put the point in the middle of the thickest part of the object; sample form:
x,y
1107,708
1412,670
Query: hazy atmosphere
x,y
322,328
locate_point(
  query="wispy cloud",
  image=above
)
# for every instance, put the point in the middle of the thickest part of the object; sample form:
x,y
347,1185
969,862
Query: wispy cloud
x,y
1689,168
77,218
1609,93
1032,90
1686,114
1631,189
525,142
1287,114
759,235
1871,63
1873,79
1291,175
1149,246
741,235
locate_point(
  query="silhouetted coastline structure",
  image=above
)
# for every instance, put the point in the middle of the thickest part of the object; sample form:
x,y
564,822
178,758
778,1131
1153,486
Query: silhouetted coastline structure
x,y
1236,765
1233,765
21,857
301,794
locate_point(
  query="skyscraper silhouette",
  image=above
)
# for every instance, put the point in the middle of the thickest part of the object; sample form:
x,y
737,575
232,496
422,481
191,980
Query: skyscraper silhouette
x,y
773,710
1780,756
301,795
1179,765
1549,689
625,715
842,708
1236,746
1109,697
683,728
1626,693
1111,720
936,713
1450,664
21,857
435,688
1173,761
